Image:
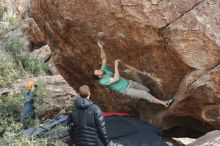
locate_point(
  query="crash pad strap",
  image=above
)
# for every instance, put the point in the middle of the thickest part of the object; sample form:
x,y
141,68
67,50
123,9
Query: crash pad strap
x,y
107,114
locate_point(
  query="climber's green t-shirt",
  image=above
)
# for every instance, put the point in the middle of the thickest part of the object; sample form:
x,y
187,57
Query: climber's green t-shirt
x,y
118,86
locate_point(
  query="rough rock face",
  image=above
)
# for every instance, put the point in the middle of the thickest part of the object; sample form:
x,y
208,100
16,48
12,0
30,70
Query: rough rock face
x,y
43,53
31,29
210,139
177,42
52,68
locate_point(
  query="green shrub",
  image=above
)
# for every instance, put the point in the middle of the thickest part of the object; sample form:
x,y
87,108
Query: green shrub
x,y
10,109
3,30
14,48
10,104
11,128
13,21
3,9
29,63
40,93
9,68
40,90
13,136
8,72
34,65
56,132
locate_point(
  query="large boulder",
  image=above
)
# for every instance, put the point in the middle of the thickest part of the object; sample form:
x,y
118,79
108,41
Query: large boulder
x,y
176,42
43,53
210,139
52,68
31,29
199,97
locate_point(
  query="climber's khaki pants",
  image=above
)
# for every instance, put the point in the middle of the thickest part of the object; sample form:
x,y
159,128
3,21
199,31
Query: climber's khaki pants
x,y
136,90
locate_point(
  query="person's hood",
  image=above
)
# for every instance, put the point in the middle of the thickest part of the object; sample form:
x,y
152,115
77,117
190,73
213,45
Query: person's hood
x,y
82,103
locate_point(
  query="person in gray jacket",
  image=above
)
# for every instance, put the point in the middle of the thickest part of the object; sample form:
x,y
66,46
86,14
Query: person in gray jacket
x,y
87,125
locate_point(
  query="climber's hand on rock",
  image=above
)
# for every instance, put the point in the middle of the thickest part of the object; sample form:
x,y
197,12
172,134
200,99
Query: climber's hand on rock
x,y
100,44
116,62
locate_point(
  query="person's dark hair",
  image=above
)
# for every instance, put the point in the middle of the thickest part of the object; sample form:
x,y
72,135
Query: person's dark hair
x,y
84,91
95,77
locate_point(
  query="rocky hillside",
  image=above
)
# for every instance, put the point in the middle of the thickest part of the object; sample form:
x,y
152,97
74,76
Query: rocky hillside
x,y
23,58
177,42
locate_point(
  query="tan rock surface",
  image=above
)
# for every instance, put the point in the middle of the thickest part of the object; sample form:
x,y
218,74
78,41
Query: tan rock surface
x,y
210,139
52,68
43,53
31,29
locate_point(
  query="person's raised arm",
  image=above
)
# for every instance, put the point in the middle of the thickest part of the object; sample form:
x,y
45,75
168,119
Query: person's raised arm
x,y
117,74
103,54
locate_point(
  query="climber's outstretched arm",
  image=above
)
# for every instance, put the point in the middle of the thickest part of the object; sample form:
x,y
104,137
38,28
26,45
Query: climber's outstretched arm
x,y
103,54
117,74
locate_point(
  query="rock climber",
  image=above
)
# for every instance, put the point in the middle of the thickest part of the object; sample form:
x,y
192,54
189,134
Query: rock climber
x,y
119,84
